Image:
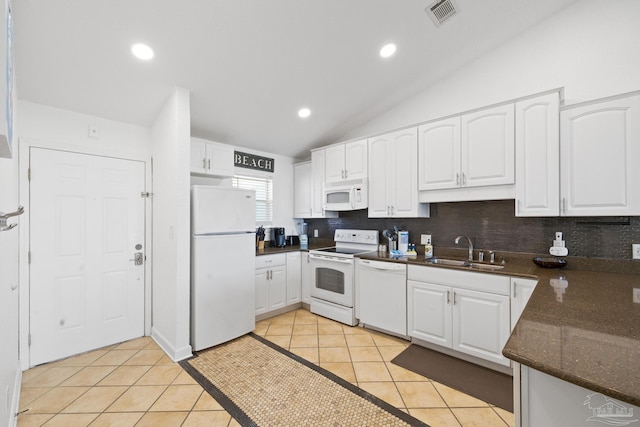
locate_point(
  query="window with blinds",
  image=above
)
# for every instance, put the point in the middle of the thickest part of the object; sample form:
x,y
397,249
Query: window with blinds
x,y
264,195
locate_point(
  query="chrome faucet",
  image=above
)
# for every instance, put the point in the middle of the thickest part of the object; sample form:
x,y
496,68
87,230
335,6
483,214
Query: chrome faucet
x,y
470,245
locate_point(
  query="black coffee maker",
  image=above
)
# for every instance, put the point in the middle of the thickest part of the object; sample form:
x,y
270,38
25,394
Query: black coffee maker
x,y
278,237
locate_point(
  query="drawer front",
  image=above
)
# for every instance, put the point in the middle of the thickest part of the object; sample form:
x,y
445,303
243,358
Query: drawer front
x,y
265,261
483,282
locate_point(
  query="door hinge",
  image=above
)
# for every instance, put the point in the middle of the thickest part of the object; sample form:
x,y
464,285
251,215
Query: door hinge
x,y
29,257
29,339
29,174
145,195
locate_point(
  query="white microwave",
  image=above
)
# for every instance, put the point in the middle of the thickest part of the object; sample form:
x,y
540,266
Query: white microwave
x,y
345,196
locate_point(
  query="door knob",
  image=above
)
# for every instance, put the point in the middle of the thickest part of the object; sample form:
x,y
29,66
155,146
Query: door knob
x,y
138,258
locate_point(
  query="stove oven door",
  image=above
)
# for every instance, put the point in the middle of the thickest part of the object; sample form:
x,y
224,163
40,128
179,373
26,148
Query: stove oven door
x,y
332,278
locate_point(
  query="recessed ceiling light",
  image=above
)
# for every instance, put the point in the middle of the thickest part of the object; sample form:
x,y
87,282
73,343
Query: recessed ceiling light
x,y
387,50
142,51
303,113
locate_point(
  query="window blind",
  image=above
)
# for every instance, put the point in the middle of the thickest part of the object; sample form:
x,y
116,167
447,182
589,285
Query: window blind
x,y
264,195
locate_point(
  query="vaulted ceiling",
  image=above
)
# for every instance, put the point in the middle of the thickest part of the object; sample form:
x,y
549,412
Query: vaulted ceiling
x,y
250,65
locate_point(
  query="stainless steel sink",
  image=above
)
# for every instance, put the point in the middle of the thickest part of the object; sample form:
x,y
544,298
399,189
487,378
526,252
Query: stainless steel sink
x,y
444,261
461,263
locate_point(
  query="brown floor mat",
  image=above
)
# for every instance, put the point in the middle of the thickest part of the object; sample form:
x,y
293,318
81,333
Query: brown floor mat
x,y
485,384
261,384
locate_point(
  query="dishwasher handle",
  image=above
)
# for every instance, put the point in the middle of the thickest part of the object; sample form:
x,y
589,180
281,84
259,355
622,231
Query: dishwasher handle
x,y
382,265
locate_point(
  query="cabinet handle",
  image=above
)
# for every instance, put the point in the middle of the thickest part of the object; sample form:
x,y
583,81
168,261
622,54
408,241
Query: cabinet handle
x,y
458,178
392,210
464,179
564,205
454,297
209,164
514,289
346,173
448,297
204,164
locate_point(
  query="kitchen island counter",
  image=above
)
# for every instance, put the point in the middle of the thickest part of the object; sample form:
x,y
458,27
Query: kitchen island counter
x,y
581,324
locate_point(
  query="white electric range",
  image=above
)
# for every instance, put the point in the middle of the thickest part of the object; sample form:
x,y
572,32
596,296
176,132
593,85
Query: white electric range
x,y
332,284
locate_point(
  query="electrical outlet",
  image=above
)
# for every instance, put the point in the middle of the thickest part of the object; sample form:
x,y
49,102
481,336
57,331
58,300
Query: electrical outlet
x,y
315,233
636,295
425,239
635,250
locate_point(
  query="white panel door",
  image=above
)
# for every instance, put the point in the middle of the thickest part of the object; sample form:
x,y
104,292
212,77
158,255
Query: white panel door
x,y
600,153
356,160
379,175
87,223
404,193
429,312
480,324
439,155
488,147
538,156
334,166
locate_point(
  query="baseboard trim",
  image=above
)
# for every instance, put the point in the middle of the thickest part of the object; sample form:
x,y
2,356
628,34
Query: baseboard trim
x,y
175,354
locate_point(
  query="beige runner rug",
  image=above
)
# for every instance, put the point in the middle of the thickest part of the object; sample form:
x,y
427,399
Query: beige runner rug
x,y
261,384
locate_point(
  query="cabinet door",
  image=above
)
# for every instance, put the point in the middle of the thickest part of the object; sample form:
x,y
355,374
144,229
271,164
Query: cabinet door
x,y
439,155
538,156
379,175
488,143
306,278
600,154
404,179
219,160
262,290
302,183
335,166
317,178
356,160
480,324
429,312
521,290
198,156
277,287
294,276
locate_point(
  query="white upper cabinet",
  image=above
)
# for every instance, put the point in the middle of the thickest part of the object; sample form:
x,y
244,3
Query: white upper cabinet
x,y
600,154
302,190
346,161
318,161
393,176
488,146
472,150
439,155
211,158
538,156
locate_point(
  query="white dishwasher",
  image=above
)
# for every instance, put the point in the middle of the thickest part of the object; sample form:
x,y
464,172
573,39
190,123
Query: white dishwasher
x,y
383,295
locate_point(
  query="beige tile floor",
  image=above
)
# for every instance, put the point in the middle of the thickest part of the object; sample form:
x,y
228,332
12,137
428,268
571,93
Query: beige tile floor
x,y
134,383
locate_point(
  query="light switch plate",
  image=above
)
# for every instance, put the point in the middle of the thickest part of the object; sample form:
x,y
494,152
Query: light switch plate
x,y
635,250
636,295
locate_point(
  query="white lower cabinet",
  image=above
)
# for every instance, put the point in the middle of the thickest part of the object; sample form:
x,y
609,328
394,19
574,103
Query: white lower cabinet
x,y
460,310
271,283
521,290
306,278
294,277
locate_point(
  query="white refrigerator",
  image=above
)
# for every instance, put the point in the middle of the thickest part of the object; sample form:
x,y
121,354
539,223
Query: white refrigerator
x,y
222,264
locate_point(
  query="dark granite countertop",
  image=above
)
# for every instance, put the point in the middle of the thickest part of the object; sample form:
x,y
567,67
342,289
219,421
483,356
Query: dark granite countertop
x,y
313,244
581,324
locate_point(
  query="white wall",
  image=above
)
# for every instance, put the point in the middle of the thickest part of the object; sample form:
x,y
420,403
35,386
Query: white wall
x,y
170,134
47,127
590,49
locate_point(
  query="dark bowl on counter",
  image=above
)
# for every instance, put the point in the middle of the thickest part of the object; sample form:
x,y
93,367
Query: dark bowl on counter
x,y
548,262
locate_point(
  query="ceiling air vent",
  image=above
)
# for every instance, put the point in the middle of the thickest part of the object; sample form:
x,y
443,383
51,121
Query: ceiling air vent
x,y
441,11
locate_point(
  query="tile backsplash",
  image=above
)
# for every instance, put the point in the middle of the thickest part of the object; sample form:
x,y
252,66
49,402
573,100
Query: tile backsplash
x,y
492,225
